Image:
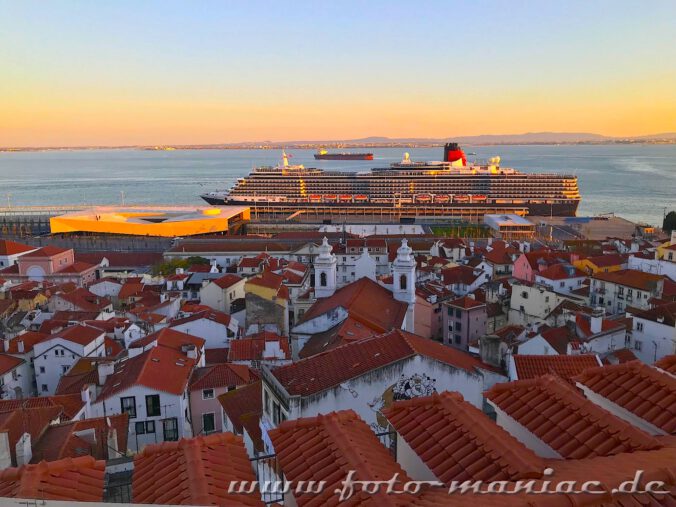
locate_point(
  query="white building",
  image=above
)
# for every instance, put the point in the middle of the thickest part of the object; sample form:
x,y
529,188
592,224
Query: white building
x,y
219,294
10,251
617,290
55,355
152,388
215,328
15,377
654,333
562,278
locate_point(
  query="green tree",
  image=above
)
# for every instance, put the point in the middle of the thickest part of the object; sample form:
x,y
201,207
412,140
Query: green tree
x,y
669,223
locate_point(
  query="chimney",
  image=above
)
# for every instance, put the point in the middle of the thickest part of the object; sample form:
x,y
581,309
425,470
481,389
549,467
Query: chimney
x,y
5,455
179,271
24,450
19,345
113,448
189,350
596,320
5,344
104,370
489,350
273,350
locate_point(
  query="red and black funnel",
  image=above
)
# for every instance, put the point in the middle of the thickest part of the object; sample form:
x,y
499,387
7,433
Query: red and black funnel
x,y
453,153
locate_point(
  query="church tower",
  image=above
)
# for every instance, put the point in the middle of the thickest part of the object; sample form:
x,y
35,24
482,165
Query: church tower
x,y
403,279
326,272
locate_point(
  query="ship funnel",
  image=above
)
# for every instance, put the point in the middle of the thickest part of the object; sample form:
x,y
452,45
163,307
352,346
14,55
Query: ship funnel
x,y
453,153
285,158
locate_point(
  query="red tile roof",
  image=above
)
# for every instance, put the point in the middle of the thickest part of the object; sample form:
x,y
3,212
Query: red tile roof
x,y
349,330
638,388
71,479
71,404
459,442
566,421
327,448
227,280
631,278
29,339
77,267
193,471
215,356
82,335
46,251
160,368
253,347
221,375
566,367
605,261
328,369
244,408
668,364
167,337
466,303
62,440
459,275
212,315
561,272
83,372
9,363
366,301
33,421
663,314
84,300
8,247
558,338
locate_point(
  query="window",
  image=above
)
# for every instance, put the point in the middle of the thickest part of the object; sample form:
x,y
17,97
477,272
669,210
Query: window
x,y
153,405
524,295
44,388
458,326
266,398
639,326
207,394
458,339
562,284
403,282
208,423
150,426
42,369
140,428
64,369
276,413
458,313
170,427
129,406
322,279
637,344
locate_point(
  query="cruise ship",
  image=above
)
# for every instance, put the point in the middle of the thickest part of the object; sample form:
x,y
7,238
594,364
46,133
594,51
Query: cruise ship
x,y
446,184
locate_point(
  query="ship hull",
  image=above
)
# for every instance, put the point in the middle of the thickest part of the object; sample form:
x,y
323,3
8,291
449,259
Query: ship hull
x,y
556,209
344,156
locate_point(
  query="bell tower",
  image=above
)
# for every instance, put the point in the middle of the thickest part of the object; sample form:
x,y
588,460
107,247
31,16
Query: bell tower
x,y
325,271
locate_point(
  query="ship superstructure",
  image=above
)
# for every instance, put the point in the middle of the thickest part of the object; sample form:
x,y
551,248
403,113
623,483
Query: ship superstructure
x,y
450,183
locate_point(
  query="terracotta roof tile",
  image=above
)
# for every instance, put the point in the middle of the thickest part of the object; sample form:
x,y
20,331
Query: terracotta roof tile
x,y
227,281
167,337
33,421
668,364
459,275
46,251
561,272
28,339
215,356
566,367
459,442
244,408
253,347
62,440
71,404
466,302
565,420
366,301
638,388
328,369
9,363
221,375
605,261
71,479
193,471
326,448
631,278
160,368
8,247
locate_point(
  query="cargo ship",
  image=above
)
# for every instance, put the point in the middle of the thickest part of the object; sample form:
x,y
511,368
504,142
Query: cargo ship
x,y
325,155
428,187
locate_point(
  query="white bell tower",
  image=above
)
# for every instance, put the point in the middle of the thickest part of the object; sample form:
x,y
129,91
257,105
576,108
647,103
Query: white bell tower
x,y
403,279
326,272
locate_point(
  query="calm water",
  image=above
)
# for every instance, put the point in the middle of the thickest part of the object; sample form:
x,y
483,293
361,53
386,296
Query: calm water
x,y
636,182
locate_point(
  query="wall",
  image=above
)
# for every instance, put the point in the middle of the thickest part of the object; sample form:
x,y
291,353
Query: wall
x,y
199,406
261,311
654,339
215,334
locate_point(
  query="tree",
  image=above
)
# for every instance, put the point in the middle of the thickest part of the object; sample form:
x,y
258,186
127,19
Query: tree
x,y
169,267
669,223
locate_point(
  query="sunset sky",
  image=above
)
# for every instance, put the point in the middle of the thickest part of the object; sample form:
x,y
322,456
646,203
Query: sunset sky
x,y
162,72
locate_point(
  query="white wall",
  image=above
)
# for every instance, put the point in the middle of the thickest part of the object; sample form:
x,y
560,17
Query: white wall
x,y
653,339
215,334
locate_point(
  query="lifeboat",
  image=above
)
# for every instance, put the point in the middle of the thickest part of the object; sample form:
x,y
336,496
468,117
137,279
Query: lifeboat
x,y
461,198
361,198
441,198
315,198
423,198
478,198
330,197
345,198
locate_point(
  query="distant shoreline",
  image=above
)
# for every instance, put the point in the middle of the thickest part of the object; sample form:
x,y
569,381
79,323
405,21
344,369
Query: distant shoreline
x,y
328,145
